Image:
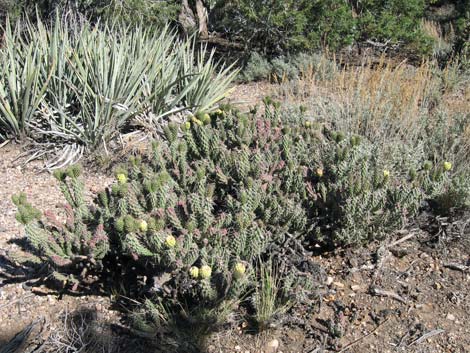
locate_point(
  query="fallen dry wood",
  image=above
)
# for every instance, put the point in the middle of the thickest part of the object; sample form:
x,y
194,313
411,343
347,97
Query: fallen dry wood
x,y
349,345
426,336
383,293
457,267
401,240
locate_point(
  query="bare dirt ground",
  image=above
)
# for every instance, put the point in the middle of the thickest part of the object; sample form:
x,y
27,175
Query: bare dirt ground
x,y
408,293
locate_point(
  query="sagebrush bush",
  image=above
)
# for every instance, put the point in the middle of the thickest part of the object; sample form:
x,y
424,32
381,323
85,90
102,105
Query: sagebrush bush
x,y
284,69
319,65
288,68
256,69
403,110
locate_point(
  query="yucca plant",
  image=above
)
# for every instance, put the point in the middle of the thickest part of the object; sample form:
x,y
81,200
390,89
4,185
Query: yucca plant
x,y
209,80
72,87
23,84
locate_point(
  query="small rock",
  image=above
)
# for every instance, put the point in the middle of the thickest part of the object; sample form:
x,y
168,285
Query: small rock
x,y
329,280
450,317
355,287
238,348
338,284
272,346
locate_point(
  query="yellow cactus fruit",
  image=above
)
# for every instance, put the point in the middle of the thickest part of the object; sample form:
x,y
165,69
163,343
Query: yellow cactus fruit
x,y
143,226
170,241
194,272
196,121
206,119
239,270
320,172
122,179
205,272
447,166
386,173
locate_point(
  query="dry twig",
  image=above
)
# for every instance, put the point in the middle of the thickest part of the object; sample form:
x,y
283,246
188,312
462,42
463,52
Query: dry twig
x,y
349,345
457,267
426,336
383,293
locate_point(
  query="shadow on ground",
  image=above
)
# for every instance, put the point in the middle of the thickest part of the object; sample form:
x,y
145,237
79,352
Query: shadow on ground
x,y
84,331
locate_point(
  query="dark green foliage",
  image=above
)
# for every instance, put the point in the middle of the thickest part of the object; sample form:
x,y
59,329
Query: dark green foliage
x,y
280,26
128,12
396,20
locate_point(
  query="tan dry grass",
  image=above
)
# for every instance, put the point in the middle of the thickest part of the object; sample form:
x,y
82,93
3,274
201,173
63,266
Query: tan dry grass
x,y
374,93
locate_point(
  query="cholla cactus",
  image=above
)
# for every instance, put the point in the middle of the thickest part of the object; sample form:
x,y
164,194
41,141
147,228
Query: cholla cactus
x,y
224,190
66,246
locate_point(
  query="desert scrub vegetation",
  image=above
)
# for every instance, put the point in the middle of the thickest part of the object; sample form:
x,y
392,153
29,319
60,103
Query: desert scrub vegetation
x,y
422,109
217,216
276,27
70,87
287,68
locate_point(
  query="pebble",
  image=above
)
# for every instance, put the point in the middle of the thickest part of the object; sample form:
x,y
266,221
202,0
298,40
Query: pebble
x,y
355,287
450,317
272,346
329,280
338,284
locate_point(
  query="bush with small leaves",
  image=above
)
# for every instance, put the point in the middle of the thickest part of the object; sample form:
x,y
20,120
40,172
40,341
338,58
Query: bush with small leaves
x,y
257,68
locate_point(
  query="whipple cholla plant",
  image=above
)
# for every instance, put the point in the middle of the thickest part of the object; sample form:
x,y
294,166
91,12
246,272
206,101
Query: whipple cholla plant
x,y
72,247
225,192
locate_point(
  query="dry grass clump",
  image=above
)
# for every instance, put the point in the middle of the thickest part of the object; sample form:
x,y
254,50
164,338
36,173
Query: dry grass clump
x,y
375,97
417,111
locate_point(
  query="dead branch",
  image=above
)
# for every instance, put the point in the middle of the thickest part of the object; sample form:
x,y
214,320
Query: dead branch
x,y
363,337
383,293
426,336
457,267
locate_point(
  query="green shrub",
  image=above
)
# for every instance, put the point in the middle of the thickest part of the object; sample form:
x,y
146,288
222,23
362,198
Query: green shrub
x,y
292,67
278,27
257,68
284,69
122,12
320,65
